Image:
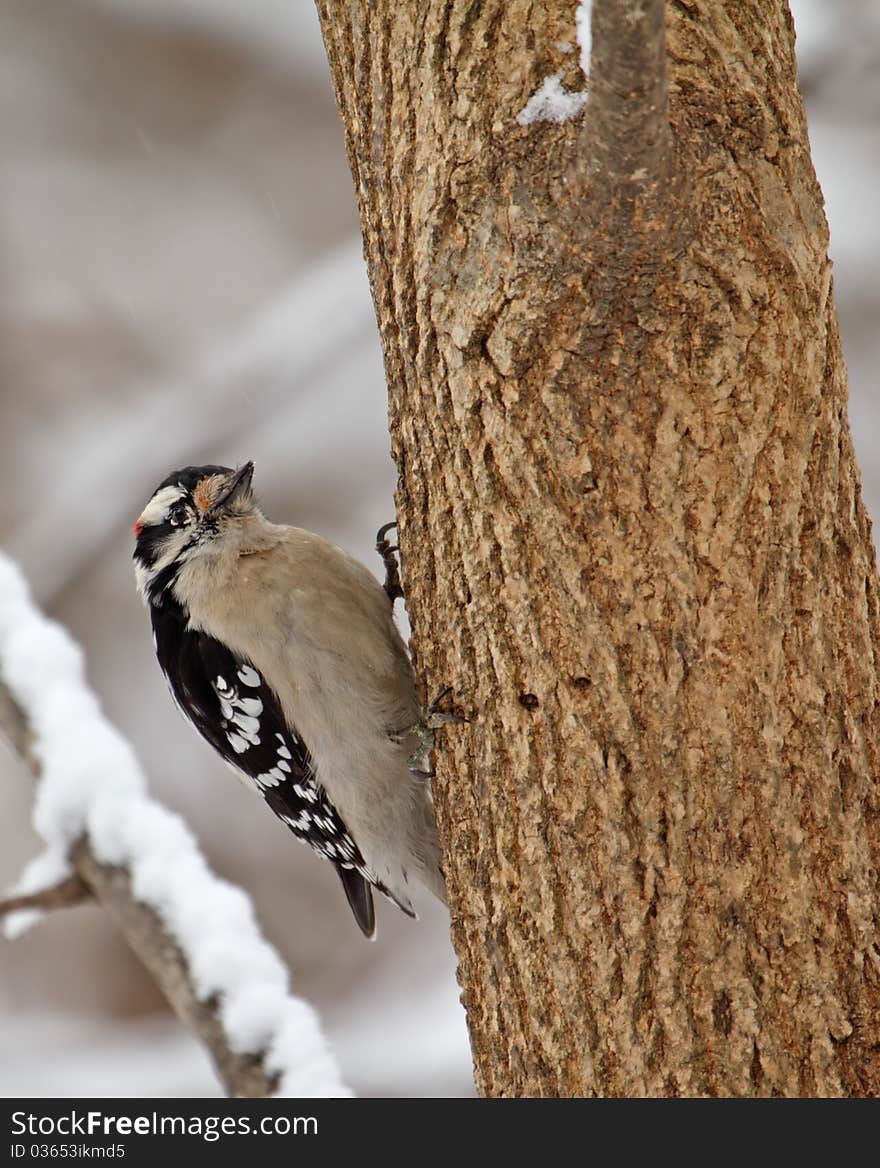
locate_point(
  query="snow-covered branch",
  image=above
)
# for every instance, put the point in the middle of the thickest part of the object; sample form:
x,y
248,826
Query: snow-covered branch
x,y
195,932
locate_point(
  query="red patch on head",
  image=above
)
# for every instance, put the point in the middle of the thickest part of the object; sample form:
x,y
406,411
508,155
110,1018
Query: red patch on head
x,y
204,492
137,527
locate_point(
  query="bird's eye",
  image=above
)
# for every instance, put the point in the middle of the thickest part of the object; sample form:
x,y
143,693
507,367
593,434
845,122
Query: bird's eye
x,y
177,516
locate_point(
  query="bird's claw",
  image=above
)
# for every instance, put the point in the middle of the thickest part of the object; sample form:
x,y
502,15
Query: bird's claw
x,y
392,572
435,718
423,731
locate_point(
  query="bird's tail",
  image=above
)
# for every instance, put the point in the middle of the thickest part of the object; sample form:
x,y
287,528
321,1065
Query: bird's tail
x,y
360,898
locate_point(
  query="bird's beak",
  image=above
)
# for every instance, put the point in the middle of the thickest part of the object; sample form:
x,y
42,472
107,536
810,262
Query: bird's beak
x,y
235,487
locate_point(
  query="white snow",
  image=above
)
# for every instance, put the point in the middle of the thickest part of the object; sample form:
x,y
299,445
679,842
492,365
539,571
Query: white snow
x,y
582,19
91,783
552,102
43,871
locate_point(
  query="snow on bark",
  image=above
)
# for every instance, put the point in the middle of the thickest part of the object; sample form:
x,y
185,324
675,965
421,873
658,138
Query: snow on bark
x,y
552,102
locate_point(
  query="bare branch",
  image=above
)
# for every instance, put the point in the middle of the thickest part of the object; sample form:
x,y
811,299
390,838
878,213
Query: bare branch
x,y
65,894
628,124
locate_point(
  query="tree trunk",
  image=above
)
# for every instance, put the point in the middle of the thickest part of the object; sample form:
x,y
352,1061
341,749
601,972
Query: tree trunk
x,y
633,539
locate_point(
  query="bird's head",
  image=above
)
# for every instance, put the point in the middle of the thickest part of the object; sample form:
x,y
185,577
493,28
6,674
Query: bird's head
x,y
192,513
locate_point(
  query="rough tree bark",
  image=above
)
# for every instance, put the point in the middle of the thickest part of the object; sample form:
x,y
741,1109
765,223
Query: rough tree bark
x,y
633,539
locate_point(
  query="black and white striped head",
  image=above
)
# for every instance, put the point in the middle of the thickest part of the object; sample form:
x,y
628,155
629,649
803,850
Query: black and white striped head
x,y
187,514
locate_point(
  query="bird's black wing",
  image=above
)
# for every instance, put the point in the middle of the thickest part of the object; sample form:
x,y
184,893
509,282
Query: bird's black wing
x,y
232,707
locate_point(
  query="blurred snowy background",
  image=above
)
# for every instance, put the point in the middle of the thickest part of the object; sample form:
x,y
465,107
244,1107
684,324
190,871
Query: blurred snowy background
x,y
182,283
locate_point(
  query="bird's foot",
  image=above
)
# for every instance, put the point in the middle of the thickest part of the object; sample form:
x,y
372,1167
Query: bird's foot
x,y
419,762
434,717
392,572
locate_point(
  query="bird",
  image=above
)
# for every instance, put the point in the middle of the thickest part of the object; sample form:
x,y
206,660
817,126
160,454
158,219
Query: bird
x,y
283,652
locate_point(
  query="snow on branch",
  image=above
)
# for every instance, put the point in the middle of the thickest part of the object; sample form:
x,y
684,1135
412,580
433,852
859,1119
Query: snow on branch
x,y
195,932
